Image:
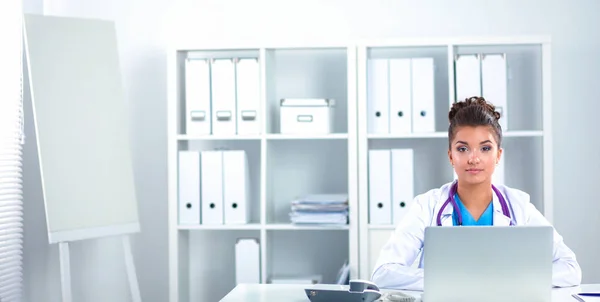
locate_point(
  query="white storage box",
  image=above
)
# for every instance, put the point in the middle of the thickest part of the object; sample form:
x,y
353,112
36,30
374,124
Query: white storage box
x,y
306,116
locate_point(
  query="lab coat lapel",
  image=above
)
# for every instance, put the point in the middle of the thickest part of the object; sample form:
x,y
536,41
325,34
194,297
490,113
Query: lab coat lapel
x,y
447,214
499,218
447,220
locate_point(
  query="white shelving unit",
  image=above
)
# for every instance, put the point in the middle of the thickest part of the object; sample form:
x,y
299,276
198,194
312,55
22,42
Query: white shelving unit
x,y
527,142
284,166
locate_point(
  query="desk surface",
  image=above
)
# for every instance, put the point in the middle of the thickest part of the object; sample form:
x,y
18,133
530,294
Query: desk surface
x,y
295,292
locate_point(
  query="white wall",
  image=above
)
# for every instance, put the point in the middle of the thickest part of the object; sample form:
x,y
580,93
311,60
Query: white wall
x,y
145,26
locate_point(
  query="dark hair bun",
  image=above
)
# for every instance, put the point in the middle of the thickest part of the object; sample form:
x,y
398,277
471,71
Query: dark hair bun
x,y
473,101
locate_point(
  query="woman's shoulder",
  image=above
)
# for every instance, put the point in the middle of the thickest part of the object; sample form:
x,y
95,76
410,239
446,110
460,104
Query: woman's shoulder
x,y
516,197
434,196
519,194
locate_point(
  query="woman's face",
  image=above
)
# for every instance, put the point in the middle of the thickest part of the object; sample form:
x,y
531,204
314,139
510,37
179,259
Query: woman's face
x,y
474,154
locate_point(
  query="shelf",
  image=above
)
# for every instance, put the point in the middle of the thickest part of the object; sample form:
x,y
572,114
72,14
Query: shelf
x,y
207,86
209,253
527,177
252,226
445,135
440,134
526,119
307,253
306,136
407,135
298,168
184,137
381,79
273,136
523,90
382,227
307,227
320,73
430,155
523,134
285,166
252,149
256,226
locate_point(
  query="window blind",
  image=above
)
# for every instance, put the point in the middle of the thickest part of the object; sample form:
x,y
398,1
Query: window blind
x,y
11,142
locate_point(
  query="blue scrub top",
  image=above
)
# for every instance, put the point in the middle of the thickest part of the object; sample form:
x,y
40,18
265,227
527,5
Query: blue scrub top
x,y
485,219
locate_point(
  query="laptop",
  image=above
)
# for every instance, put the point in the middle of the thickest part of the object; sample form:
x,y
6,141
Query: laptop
x,y
482,263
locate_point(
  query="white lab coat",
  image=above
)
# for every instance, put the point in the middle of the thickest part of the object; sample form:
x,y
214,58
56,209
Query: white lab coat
x,y
394,265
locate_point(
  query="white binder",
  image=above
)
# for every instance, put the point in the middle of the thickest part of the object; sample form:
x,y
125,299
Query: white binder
x,y
212,186
423,92
468,76
402,182
189,187
380,210
378,120
197,97
248,96
247,261
223,97
494,84
236,187
400,89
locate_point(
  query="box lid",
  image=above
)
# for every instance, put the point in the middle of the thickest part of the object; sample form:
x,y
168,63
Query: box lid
x,y
307,102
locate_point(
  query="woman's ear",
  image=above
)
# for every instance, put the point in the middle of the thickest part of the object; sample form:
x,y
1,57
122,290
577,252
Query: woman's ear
x,y
450,157
499,156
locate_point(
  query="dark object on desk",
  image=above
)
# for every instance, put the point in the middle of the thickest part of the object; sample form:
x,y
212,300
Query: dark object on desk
x,y
580,296
589,294
396,297
359,291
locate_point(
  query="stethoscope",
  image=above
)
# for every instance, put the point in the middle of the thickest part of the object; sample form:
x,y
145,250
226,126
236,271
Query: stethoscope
x,y
451,200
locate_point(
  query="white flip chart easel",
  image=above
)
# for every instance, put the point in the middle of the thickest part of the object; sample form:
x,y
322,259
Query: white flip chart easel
x,y
65,271
82,135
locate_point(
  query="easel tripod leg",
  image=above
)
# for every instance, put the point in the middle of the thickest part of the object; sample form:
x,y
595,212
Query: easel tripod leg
x,y
65,271
131,274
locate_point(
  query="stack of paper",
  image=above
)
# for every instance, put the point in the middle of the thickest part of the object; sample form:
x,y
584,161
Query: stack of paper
x,y
320,209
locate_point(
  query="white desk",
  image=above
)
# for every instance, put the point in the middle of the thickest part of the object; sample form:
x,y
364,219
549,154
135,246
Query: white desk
x,y
295,292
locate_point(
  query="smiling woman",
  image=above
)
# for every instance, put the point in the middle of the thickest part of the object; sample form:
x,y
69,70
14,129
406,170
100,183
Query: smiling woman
x,y
475,138
474,150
